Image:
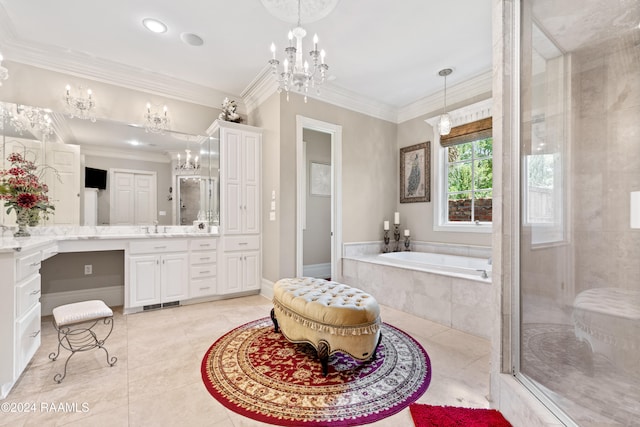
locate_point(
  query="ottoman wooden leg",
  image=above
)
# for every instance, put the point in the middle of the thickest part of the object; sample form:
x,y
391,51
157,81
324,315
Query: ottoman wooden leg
x,y
323,355
375,350
275,321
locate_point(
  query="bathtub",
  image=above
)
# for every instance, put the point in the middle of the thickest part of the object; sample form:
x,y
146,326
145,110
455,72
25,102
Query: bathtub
x,y
447,289
454,265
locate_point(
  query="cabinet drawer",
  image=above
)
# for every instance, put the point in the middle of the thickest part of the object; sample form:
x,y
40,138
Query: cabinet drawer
x,y
27,295
153,246
203,244
198,271
203,287
242,243
27,265
27,338
202,258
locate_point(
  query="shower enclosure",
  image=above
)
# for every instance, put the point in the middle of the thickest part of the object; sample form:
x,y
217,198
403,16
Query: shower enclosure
x,y
579,284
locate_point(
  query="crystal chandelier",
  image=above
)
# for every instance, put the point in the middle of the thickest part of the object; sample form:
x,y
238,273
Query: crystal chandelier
x,y
80,107
296,74
156,122
445,120
189,164
4,73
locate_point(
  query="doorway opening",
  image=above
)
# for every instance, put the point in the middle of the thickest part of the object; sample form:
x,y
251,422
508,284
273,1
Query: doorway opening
x,y
318,224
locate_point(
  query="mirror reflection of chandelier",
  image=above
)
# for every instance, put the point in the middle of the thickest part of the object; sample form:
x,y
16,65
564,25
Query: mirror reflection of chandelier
x,y
156,122
297,74
29,119
189,164
78,106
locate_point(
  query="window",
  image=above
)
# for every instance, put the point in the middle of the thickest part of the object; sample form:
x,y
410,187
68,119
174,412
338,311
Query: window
x,y
466,178
469,190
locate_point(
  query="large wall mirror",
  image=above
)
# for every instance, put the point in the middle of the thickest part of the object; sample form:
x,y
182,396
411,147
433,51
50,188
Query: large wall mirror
x,y
114,173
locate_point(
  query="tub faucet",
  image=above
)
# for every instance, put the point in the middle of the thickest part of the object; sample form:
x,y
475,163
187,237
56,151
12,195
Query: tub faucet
x,y
155,227
483,274
490,261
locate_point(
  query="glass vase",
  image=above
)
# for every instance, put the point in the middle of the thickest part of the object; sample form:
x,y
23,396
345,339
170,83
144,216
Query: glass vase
x,y
34,217
22,219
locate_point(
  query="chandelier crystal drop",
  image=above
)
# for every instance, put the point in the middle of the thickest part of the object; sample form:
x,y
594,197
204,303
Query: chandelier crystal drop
x,y
295,73
4,73
156,122
445,120
79,106
189,164
28,119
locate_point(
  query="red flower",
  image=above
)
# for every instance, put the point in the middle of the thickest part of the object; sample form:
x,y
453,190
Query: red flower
x,y
26,200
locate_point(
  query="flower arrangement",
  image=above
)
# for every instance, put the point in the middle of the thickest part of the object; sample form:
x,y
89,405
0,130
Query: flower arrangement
x,y
229,114
23,192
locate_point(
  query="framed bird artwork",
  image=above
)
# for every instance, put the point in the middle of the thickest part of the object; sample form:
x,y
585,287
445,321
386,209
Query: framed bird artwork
x,y
415,173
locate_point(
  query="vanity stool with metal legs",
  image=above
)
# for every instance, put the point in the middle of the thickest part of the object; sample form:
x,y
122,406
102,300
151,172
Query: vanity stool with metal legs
x,y
75,324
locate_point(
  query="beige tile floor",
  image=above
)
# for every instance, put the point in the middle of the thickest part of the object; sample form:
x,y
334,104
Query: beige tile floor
x,y
156,381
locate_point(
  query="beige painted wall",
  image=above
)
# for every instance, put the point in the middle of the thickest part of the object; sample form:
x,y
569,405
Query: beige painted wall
x,y
65,272
369,175
267,117
418,217
317,234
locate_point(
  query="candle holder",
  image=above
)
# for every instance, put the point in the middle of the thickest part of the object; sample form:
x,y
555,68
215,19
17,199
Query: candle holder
x,y
386,241
396,237
407,243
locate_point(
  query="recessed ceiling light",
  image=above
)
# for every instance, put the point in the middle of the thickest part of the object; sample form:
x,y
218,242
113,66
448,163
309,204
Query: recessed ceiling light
x,y
154,25
191,39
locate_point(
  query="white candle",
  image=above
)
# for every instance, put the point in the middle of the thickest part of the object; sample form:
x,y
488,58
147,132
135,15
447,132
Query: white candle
x,y
315,42
148,107
322,55
406,233
386,225
396,218
273,51
68,88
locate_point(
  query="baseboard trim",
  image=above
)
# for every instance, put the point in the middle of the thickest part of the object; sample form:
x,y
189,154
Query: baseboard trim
x,y
113,296
266,288
321,271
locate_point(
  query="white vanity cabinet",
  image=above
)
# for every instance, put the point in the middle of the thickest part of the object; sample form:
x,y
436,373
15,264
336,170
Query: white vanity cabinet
x,y
241,264
240,209
240,168
20,319
203,267
158,272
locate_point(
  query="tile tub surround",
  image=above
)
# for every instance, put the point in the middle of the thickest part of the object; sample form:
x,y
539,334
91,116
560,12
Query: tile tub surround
x,y
455,302
157,384
350,250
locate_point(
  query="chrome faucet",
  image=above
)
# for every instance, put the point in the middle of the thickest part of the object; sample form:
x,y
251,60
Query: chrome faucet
x,y
155,227
490,261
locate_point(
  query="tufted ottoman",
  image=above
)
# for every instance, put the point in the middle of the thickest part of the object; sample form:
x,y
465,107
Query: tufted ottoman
x,y
609,320
330,316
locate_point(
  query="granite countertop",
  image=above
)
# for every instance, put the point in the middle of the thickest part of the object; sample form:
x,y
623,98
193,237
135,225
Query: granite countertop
x,y
41,236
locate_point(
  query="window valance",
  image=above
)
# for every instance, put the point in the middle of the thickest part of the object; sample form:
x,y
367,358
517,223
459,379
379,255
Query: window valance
x,y
473,131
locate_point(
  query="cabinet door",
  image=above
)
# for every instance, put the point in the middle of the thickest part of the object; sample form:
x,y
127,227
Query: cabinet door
x,y
144,280
251,183
234,275
233,201
174,277
250,264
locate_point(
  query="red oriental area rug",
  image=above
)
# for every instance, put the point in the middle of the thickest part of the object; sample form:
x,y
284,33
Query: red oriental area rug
x,y
450,416
257,373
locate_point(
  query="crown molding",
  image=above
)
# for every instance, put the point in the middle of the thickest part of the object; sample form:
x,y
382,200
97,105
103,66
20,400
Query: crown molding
x,y
460,92
265,85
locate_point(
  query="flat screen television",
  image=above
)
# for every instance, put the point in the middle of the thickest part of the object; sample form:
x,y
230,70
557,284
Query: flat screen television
x,y
95,178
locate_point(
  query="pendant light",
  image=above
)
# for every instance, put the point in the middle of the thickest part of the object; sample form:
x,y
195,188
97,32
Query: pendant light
x,y
445,120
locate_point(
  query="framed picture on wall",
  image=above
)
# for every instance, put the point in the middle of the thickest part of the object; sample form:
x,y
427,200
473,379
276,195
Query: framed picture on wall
x,y
320,179
415,173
